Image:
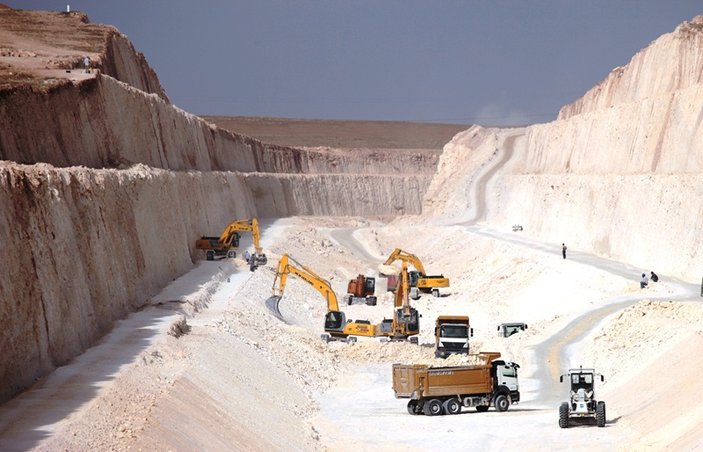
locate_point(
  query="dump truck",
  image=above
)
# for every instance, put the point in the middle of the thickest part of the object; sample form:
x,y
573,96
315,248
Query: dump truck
x,y
445,390
418,278
452,333
361,290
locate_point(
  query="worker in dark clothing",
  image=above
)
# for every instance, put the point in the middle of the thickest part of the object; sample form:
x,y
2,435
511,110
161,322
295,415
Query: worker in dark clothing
x,y
653,276
563,251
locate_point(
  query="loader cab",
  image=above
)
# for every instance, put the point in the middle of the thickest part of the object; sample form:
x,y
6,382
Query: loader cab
x,y
581,379
508,329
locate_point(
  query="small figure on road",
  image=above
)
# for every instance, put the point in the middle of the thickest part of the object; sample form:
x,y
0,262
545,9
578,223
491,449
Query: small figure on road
x,y
563,251
644,282
653,276
86,64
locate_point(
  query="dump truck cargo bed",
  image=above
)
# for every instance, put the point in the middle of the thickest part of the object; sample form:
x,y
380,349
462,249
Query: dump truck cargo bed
x,y
418,381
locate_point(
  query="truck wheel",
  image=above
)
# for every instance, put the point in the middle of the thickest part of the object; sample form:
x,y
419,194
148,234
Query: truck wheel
x,y
231,254
435,293
600,414
564,415
452,406
482,408
371,301
210,255
501,402
414,340
433,407
412,407
351,340
414,293
325,337
348,299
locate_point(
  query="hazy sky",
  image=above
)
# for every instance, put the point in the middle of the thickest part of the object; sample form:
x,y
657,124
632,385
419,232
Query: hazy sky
x,y
481,61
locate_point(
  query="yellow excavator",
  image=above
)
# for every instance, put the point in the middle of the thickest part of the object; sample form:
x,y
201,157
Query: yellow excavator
x,y
418,278
337,326
228,242
404,324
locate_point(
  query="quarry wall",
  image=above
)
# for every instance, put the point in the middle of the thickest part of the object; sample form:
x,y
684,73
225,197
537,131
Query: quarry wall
x,y
105,185
84,247
103,122
618,174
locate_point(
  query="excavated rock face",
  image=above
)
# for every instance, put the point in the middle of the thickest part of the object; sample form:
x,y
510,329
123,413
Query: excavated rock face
x,y
619,172
118,184
673,62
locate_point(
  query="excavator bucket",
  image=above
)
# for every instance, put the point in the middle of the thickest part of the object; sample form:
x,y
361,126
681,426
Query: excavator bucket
x,y
272,305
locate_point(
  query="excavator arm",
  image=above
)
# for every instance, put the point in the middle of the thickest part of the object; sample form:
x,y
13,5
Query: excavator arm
x,y
318,283
336,324
403,256
252,225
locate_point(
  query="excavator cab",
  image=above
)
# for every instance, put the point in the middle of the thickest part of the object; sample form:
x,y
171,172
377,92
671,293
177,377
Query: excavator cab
x,y
413,276
335,321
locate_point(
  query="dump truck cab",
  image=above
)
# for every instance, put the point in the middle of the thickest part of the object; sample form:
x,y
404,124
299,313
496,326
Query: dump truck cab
x,y
452,333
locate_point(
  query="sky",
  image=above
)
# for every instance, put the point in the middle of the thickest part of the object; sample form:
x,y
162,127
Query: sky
x,y
491,62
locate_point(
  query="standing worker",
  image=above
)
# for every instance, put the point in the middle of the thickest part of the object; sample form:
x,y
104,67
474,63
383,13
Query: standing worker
x,y
563,251
86,64
644,282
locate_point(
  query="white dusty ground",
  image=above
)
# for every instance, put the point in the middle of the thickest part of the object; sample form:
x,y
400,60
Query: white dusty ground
x,y
242,379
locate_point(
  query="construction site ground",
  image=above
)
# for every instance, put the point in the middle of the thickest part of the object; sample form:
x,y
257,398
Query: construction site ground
x,y
237,368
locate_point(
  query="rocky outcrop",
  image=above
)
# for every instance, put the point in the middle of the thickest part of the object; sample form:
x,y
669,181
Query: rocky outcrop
x,y
672,63
121,61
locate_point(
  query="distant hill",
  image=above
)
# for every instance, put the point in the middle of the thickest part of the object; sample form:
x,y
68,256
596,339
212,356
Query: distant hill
x,y
341,134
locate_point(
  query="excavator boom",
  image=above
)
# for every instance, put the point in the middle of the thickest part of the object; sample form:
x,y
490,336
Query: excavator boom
x,y
318,283
418,278
401,255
